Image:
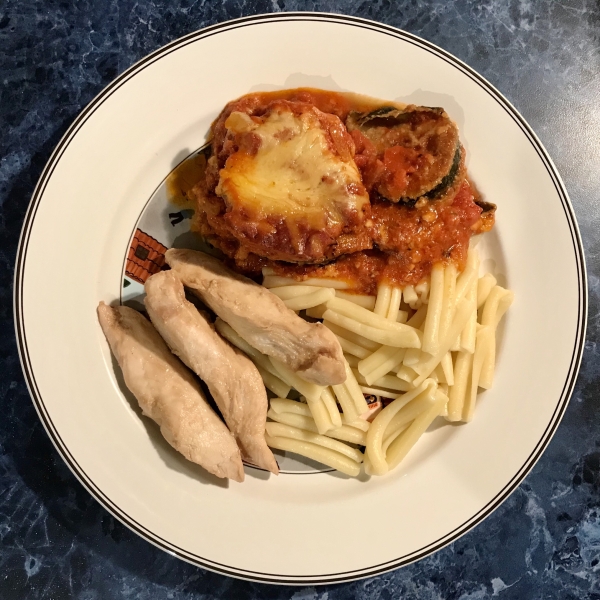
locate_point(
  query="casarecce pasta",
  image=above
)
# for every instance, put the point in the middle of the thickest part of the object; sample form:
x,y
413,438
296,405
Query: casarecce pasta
x,y
411,354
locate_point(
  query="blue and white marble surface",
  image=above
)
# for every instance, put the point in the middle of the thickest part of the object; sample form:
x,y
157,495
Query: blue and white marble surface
x,y
56,542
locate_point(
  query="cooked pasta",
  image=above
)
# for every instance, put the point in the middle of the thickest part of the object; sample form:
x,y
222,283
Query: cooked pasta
x,y
274,281
310,300
376,433
280,430
391,335
412,354
344,432
328,457
400,447
294,291
484,287
382,302
367,302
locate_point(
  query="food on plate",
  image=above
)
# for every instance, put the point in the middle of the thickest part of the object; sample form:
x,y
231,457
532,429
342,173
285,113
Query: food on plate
x,y
407,385
389,442
232,379
260,318
168,393
417,147
371,320
315,184
290,183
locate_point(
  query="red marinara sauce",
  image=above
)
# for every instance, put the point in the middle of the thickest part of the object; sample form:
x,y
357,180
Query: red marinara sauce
x,y
396,243
408,241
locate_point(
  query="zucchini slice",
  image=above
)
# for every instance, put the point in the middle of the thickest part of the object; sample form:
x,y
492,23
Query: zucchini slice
x,y
419,148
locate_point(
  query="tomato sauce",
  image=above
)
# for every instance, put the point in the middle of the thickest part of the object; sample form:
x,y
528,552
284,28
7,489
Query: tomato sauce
x,y
398,243
408,242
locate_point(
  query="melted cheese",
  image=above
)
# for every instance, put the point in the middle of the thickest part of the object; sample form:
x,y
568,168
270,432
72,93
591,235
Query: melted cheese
x,y
294,175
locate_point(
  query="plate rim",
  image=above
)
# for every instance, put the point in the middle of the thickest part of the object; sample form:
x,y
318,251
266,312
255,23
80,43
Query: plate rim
x,y
230,570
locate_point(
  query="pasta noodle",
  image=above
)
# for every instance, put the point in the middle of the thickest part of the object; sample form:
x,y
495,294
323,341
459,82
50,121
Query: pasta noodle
x,y
356,424
446,369
400,447
320,296
378,392
448,304
283,405
328,400
273,281
431,327
456,399
380,363
352,337
320,414
273,383
382,302
410,296
394,305
346,401
401,316
367,302
443,387
323,455
494,308
344,432
416,352
352,361
426,368
484,336
281,430
352,348
467,336
395,334
422,291
309,390
294,291
407,374
362,315
407,414
375,435
354,390
374,359
390,382
468,277
418,318
484,287
388,439
412,356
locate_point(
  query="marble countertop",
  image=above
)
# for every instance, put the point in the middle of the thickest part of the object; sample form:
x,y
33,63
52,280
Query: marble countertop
x,y
57,542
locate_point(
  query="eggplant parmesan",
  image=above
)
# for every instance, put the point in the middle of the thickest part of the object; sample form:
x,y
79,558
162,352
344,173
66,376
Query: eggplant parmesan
x,y
414,152
314,183
287,186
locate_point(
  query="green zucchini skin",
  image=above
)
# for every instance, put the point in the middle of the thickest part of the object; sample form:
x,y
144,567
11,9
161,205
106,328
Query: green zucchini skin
x,y
426,130
485,206
448,179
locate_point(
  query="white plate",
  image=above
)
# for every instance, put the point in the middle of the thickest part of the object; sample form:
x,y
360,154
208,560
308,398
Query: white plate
x,y
310,528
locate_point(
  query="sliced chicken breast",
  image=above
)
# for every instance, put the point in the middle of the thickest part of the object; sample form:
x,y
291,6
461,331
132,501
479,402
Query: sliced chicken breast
x,y
261,318
233,380
168,393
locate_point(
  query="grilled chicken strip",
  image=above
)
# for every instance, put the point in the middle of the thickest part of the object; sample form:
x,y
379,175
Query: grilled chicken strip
x,y
261,318
168,393
231,377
